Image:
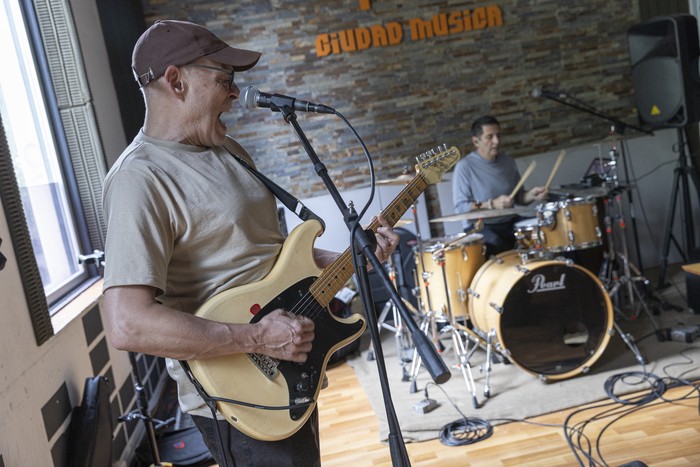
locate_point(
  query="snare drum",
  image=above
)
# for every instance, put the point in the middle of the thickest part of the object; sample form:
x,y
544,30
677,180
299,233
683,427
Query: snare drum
x,y
527,234
445,269
551,317
568,225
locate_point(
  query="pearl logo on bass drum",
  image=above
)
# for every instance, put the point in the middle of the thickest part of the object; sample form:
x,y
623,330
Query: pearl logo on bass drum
x,y
540,284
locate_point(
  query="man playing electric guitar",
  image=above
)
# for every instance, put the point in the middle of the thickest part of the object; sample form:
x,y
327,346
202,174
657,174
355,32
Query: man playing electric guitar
x,y
187,222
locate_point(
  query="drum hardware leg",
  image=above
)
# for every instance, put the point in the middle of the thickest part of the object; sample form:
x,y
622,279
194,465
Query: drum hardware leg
x,y
463,355
487,365
634,300
416,361
402,338
404,344
415,366
629,340
494,353
617,270
381,324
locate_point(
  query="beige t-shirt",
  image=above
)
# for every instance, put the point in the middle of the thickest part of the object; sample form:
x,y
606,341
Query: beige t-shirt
x,y
189,221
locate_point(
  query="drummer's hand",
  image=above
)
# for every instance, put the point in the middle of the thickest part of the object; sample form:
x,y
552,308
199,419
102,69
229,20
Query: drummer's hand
x,y
538,193
503,202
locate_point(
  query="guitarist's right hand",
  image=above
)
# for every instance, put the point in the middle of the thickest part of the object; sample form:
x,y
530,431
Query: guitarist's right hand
x,y
285,336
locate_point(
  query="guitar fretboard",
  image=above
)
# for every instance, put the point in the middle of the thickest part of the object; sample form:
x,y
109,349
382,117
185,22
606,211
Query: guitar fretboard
x,y
335,276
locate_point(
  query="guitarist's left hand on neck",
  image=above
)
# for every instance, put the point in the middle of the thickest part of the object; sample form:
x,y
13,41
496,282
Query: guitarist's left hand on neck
x,y
386,239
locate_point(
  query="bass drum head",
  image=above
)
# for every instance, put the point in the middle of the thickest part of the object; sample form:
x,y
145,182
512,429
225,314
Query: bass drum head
x,y
555,319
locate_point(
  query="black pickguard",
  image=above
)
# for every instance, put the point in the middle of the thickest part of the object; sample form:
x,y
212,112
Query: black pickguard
x,y
303,379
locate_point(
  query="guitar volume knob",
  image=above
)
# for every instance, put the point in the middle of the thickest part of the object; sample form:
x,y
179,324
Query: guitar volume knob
x,y
302,387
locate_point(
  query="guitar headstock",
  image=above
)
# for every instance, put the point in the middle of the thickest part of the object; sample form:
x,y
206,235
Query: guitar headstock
x,y
435,163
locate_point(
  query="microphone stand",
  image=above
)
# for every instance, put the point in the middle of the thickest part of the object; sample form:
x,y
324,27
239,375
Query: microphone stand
x,y
363,248
617,128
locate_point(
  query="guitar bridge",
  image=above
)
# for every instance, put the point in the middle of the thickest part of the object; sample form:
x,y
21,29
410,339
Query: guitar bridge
x,y
267,365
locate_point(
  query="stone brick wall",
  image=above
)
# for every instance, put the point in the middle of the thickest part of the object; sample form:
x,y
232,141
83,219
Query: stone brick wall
x,y
406,91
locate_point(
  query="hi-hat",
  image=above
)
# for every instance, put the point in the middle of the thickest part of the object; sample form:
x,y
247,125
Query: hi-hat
x,y
402,179
484,214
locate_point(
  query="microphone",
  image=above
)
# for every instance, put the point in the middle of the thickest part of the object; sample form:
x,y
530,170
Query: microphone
x,y
539,92
251,98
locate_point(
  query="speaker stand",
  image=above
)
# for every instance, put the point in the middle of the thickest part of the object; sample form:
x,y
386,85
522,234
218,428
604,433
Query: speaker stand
x,y
680,177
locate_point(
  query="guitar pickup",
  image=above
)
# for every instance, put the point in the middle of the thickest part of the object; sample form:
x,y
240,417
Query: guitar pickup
x,y
267,365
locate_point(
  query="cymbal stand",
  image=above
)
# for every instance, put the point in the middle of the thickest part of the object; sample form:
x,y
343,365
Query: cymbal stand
x,y
610,276
617,130
462,351
617,271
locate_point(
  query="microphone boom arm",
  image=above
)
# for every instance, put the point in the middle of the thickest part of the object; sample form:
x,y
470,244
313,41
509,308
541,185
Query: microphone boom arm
x,y
618,125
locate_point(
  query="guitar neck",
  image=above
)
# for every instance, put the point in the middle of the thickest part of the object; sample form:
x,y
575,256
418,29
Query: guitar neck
x,y
335,276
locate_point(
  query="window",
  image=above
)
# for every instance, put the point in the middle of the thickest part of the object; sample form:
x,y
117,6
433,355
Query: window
x,y
51,166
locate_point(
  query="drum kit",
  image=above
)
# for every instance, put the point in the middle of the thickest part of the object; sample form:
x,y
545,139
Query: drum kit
x,y
531,306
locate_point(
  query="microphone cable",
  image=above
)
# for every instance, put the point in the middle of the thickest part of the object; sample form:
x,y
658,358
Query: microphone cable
x,y
467,430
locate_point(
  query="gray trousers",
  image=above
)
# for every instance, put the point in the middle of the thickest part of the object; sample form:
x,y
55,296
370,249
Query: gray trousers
x,y
231,448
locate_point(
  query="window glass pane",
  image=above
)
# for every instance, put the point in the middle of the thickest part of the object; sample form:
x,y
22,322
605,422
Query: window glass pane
x,y
34,156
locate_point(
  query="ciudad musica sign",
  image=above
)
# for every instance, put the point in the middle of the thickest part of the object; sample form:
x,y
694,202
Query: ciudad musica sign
x,y
392,33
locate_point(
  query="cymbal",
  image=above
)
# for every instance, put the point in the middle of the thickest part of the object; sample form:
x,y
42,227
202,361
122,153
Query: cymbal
x,y
402,222
484,214
579,191
402,179
591,192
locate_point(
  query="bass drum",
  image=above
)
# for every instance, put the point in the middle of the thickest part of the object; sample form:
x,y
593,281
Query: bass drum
x,y
551,317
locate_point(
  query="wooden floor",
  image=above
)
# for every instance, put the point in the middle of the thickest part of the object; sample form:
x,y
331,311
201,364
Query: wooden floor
x,y
660,434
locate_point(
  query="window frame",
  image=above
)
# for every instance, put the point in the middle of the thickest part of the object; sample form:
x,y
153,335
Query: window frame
x,y
55,49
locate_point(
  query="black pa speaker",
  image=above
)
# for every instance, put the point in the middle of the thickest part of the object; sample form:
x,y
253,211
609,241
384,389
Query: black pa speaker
x,y
664,57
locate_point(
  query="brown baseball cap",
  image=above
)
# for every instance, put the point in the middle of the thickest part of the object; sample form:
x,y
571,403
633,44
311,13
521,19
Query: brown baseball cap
x,y
172,42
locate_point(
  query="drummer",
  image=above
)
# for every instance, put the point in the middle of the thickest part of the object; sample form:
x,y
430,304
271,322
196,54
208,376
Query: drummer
x,y
484,179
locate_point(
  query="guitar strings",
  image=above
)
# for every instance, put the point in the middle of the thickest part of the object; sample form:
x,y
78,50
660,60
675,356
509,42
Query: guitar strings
x,y
309,306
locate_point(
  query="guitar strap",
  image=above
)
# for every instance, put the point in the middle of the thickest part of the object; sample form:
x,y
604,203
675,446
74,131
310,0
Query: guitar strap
x,y
290,202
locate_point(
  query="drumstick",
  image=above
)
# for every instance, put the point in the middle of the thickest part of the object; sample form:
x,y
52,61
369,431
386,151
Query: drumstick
x,y
527,173
555,168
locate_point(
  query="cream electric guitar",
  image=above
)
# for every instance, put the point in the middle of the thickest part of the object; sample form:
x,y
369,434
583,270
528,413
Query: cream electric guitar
x,y
269,399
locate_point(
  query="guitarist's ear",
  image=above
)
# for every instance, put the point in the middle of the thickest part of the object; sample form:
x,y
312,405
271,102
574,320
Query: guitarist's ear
x,y
175,80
